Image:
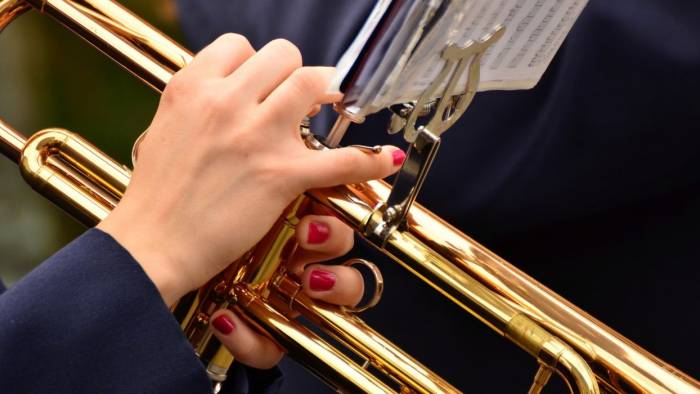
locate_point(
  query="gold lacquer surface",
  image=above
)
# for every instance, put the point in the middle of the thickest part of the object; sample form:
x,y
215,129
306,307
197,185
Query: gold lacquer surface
x,y
73,174
10,9
12,141
355,334
617,362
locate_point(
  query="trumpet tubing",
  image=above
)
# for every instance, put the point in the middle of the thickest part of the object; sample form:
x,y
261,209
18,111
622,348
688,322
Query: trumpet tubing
x,y
88,184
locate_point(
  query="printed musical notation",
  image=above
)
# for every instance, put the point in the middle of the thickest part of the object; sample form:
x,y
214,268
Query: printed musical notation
x,y
397,54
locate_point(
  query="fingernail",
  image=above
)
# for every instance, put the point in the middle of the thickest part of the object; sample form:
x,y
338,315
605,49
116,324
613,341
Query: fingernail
x,y
318,232
399,156
321,280
223,324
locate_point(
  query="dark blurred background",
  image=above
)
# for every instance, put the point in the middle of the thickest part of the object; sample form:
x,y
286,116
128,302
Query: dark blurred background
x,y
51,78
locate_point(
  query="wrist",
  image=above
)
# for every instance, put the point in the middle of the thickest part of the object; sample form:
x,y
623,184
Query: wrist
x,y
150,253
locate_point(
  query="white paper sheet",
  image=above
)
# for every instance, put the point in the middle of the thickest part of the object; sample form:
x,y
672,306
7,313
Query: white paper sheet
x,y
534,31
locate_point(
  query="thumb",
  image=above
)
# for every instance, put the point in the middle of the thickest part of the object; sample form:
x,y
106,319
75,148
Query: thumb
x,y
349,165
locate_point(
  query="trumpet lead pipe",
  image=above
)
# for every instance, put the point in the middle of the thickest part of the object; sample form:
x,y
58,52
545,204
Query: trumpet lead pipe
x,y
11,141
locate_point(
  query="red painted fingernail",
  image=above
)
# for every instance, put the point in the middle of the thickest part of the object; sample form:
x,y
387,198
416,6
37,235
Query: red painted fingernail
x,y
399,156
321,280
318,232
223,324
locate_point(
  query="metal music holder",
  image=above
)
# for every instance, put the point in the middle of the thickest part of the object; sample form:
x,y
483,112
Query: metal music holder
x,y
442,113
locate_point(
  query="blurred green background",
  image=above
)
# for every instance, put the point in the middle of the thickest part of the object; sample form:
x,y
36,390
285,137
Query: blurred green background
x,y
51,78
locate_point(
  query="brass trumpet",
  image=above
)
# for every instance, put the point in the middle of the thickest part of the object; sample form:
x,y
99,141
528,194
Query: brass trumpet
x,y
85,182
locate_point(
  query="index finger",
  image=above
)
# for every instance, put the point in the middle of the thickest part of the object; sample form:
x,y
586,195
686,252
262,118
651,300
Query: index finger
x,y
222,57
297,95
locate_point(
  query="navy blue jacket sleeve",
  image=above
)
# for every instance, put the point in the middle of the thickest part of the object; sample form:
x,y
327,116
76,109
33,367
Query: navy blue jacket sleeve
x,y
89,320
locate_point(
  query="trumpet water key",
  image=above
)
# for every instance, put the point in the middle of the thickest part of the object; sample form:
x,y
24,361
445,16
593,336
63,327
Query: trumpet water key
x,y
86,183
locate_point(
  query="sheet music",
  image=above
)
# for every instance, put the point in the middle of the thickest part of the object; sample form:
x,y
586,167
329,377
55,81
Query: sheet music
x,y
535,29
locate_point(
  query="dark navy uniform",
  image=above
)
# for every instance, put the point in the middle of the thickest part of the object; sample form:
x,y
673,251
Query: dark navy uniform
x,y
89,320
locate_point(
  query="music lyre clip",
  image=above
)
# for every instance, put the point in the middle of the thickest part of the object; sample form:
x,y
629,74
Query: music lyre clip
x,y
443,107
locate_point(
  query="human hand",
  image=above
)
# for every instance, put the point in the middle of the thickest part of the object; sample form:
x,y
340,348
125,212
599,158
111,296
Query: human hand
x,y
320,238
223,158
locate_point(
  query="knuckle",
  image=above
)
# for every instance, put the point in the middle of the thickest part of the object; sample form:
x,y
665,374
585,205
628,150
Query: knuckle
x,y
231,39
178,86
307,82
214,101
287,51
233,90
349,163
245,350
244,143
235,41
